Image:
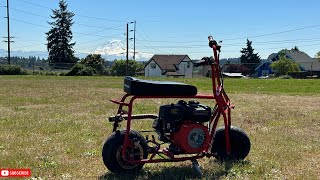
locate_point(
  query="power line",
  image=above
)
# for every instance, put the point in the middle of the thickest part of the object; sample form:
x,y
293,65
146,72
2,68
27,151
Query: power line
x,y
19,47
86,25
26,12
232,44
102,19
74,32
30,23
106,28
116,35
235,44
89,17
239,38
274,33
151,46
35,4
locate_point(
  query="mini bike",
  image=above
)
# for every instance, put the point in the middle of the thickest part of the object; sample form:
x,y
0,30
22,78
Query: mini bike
x,y
188,130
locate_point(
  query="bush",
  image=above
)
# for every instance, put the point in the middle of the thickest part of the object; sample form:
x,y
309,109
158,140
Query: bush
x,y
81,70
95,61
11,70
284,66
119,67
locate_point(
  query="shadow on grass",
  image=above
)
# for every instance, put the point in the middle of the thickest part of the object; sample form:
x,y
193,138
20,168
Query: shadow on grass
x,y
181,172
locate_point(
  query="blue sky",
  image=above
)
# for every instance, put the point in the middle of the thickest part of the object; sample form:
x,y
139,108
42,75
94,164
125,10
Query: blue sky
x,y
172,27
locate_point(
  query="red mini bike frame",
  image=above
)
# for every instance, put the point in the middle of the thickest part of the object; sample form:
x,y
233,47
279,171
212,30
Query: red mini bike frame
x,y
222,107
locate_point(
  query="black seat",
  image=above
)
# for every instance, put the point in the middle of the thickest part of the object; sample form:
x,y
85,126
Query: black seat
x,y
134,86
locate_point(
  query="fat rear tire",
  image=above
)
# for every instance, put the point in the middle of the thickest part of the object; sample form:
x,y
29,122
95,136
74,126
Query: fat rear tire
x,y
239,142
111,152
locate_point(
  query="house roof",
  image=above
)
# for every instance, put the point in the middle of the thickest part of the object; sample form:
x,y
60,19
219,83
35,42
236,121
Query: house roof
x,y
272,56
303,59
263,62
168,62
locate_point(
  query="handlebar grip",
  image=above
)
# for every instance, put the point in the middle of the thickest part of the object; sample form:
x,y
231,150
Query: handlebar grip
x,y
200,63
212,43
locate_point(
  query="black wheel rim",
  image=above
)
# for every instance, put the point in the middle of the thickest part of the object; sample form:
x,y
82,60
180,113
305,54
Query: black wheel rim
x,y
135,153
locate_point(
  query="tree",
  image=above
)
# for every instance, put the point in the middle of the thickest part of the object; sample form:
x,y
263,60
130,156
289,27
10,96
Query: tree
x,y
95,61
248,58
295,48
92,64
318,55
119,67
284,66
60,35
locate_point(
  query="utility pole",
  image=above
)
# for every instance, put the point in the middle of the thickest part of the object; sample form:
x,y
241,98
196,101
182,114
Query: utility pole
x,y
8,38
8,26
134,41
127,56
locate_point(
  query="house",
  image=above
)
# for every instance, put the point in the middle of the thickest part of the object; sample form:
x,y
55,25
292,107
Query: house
x,y
169,65
237,69
263,69
305,62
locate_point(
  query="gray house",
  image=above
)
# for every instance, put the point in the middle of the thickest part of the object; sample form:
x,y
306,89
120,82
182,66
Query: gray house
x,y
169,65
305,62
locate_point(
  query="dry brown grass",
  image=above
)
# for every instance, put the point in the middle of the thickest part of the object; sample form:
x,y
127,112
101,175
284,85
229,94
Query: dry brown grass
x,y
56,126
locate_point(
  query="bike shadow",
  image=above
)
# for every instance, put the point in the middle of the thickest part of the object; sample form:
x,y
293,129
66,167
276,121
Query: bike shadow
x,y
173,173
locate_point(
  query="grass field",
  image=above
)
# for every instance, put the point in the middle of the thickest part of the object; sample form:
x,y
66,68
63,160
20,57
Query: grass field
x,y
56,127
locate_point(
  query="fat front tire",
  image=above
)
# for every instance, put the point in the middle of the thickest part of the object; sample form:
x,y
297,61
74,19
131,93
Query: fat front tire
x,y
111,152
239,143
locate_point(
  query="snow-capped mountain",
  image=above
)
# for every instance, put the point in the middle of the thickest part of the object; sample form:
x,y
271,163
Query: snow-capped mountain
x,y
112,50
115,49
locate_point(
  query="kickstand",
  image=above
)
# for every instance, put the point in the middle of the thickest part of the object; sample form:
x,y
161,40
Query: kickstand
x,y
196,167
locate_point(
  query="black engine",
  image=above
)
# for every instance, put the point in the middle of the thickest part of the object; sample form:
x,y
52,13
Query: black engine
x,y
173,116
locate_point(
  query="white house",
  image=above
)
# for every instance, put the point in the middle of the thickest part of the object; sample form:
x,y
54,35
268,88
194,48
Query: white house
x,y
169,65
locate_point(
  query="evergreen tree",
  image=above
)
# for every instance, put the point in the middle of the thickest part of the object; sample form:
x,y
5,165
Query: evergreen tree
x,y
295,48
250,59
60,35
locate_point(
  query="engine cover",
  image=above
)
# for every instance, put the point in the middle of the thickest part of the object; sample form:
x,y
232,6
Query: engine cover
x,y
191,138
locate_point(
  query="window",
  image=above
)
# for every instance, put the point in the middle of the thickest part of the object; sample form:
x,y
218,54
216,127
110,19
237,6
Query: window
x,y
188,64
265,72
153,65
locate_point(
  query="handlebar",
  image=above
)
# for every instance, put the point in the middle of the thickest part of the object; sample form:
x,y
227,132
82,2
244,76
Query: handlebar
x,y
203,61
206,60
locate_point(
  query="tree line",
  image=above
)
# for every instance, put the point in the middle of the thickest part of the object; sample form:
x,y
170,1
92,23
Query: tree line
x,y
26,62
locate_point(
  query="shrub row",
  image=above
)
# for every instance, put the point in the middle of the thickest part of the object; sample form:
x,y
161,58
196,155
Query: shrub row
x,y
87,70
11,70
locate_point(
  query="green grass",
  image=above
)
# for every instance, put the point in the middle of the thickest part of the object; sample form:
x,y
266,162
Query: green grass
x,y
56,127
